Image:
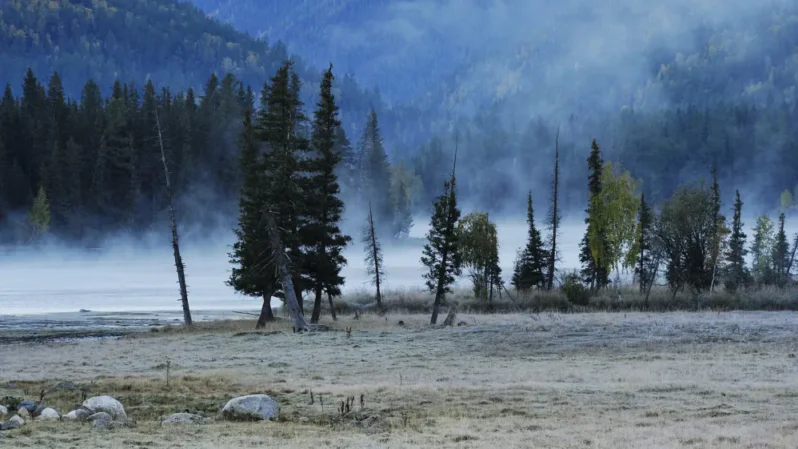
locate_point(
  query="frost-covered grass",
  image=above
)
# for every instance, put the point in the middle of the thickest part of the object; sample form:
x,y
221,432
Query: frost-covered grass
x,y
606,380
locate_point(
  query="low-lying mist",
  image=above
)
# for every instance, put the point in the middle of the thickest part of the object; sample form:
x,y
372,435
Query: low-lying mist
x,y
128,275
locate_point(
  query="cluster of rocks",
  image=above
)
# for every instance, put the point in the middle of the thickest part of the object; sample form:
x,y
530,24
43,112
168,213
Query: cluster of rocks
x,y
102,411
105,412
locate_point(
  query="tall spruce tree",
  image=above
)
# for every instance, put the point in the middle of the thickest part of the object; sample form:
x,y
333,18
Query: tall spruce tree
x,y
645,221
375,183
441,254
253,273
322,239
279,123
737,275
554,217
781,254
403,217
532,259
593,274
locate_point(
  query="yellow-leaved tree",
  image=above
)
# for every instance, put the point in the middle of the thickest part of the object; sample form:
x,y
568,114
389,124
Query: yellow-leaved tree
x,y
613,220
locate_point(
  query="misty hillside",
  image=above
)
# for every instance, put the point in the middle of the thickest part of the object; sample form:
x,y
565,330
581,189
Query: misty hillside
x,y
169,42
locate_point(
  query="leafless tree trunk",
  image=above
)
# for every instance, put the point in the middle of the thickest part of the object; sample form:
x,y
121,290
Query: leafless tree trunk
x,y
792,257
653,278
266,313
375,255
316,314
181,275
283,266
555,218
332,307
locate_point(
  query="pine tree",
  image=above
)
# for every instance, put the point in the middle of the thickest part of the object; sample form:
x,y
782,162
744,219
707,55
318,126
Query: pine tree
x,y
403,217
645,220
532,259
719,229
554,218
253,272
375,184
592,273
441,253
320,234
280,122
373,259
39,215
114,183
737,273
781,254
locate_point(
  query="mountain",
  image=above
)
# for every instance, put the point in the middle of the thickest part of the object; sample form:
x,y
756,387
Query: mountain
x,y
171,43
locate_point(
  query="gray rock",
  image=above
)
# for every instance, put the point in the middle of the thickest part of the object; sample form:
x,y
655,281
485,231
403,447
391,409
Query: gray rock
x,y
3,410
100,420
254,407
29,405
38,411
23,412
9,425
108,405
77,415
49,414
18,419
185,418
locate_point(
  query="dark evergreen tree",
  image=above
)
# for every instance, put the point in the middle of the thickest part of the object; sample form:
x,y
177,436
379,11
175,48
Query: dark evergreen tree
x,y
280,121
441,253
375,183
645,220
322,239
403,216
253,273
737,274
593,275
530,265
781,254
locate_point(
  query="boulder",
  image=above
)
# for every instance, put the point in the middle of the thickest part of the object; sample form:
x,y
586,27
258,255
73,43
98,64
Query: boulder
x,y
30,406
108,405
10,424
100,420
38,411
254,407
17,420
185,418
23,412
3,410
77,415
49,414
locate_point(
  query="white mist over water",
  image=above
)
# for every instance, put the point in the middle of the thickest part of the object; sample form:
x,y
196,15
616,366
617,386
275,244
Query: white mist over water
x,y
143,279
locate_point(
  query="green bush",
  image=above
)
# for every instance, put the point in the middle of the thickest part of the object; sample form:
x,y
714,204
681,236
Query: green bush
x,y
575,291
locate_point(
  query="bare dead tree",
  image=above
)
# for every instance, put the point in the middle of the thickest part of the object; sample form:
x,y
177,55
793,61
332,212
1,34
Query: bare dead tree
x,y
554,214
283,266
181,273
373,255
792,256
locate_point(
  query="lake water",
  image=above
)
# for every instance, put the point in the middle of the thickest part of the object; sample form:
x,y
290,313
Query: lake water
x,y
133,278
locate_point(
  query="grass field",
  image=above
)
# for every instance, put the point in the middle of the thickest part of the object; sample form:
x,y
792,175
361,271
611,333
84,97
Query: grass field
x,y
600,380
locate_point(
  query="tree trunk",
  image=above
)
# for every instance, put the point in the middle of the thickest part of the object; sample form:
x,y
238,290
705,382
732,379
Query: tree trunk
x,y
792,257
282,263
266,313
651,281
181,275
314,318
296,279
332,307
439,291
376,260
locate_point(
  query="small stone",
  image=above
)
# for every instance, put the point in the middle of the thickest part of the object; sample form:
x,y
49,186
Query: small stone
x,y
9,425
49,414
100,420
3,410
23,412
77,415
38,411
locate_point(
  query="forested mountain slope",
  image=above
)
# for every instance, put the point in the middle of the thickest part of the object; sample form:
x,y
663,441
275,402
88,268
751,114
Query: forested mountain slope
x,y
172,43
